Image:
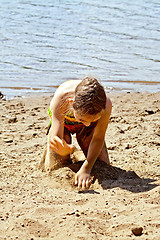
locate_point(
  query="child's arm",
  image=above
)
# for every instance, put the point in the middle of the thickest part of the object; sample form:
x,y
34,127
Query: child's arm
x,y
56,141
82,178
60,146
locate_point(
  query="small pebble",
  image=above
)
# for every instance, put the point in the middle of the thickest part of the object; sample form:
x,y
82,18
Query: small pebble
x,y
13,120
137,231
77,215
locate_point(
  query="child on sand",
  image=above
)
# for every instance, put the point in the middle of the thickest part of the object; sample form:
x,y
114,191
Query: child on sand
x,y
80,107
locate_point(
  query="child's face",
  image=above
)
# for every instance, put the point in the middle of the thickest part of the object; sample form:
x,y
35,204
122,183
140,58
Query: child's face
x,y
86,119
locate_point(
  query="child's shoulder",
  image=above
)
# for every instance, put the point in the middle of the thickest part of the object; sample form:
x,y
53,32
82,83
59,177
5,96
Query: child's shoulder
x,y
108,105
69,85
66,88
63,92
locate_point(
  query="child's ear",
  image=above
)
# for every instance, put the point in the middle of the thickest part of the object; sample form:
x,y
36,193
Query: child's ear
x,y
70,101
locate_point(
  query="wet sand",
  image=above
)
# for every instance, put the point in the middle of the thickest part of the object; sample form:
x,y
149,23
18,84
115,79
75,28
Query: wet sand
x,y
35,205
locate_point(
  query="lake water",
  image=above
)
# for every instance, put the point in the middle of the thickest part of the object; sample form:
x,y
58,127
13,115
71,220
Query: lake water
x,y
44,43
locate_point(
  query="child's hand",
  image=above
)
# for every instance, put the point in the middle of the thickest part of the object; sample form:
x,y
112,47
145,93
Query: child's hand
x,y
60,146
83,179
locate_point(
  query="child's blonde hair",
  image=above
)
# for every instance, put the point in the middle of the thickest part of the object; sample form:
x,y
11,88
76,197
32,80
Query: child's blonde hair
x,y
90,97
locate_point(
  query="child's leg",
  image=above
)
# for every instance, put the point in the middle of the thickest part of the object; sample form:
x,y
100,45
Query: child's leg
x,y
103,156
84,140
52,159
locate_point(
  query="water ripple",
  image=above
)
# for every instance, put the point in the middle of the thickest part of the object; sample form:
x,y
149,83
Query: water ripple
x,y
48,42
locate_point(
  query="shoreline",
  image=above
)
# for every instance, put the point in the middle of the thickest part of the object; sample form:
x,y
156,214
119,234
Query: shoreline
x,y
143,88
35,205
51,94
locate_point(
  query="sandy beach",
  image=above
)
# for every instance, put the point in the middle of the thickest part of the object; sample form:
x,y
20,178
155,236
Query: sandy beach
x,y
124,196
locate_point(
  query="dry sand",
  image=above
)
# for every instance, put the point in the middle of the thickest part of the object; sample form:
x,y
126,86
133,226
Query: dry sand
x,y
34,205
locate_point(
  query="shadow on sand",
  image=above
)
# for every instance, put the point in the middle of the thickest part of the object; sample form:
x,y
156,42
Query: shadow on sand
x,y
110,177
